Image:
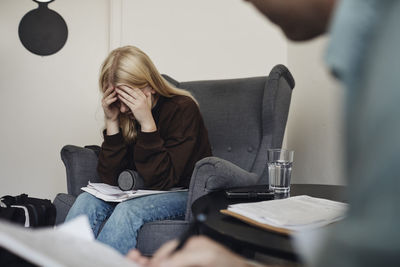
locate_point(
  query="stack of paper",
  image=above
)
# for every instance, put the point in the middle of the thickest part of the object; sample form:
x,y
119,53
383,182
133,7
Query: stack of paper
x,y
111,193
290,214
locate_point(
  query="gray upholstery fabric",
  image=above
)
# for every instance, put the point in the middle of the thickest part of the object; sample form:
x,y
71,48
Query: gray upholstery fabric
x,y
159,232
243,116
275,110
63,203
232,113
212,174
81,166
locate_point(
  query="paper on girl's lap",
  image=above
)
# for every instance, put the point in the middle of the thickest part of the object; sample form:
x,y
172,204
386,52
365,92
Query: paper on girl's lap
x,y
111,193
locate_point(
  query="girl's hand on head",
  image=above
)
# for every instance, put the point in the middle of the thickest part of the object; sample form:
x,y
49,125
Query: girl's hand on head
x,y
140,104
111,111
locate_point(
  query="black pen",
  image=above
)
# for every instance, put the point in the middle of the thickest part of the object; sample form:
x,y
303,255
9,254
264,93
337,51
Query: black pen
x,y
199,219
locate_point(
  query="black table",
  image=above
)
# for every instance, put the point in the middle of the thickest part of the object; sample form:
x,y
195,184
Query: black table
x,y
238,235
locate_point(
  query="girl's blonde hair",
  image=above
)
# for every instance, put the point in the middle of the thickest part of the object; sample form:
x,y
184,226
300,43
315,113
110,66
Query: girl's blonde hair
x,y
130,66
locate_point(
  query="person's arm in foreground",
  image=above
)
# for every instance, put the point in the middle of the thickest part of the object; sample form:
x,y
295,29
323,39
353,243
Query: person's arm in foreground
x,y
198,251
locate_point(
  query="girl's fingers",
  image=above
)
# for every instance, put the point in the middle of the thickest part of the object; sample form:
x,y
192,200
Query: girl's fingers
x,y
110,101
125,95
125,101
133,92
111,95
107,100
109,91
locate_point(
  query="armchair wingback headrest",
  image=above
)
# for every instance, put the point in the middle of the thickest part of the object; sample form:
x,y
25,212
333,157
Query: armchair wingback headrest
x,y
240,114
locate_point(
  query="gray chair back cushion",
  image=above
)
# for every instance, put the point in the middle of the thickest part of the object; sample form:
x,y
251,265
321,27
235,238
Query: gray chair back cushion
x,y
231,110
81,167
244,117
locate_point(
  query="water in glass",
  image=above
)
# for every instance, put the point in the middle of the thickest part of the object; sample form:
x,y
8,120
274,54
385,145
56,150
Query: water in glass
x,y
279,176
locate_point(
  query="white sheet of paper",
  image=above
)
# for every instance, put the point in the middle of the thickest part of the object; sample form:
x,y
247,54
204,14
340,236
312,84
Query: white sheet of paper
x,y
78,227
111,193
109,189
58,248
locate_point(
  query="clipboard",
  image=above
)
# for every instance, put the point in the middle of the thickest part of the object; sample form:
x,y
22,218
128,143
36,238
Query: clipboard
x,y
264,226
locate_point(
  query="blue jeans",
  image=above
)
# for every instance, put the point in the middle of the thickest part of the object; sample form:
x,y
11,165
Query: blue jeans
x,y
123,220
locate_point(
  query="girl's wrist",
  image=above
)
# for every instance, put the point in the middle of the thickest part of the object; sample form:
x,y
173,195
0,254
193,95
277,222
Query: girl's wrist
x,y
112,127
148,127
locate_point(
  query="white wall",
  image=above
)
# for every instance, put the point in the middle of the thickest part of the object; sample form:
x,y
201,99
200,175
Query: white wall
x,y
314,129
208,39
48,102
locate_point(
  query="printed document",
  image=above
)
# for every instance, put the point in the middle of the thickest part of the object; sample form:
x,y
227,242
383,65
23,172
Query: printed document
x,y
293,213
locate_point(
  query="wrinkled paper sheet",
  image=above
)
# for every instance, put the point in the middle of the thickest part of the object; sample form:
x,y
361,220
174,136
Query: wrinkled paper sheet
x,y
70,244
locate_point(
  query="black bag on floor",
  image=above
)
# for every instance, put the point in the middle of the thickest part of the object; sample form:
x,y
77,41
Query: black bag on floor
x,y
28,212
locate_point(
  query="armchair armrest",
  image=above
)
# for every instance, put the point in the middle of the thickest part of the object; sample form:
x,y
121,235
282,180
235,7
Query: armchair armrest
x,y
212,174
81,166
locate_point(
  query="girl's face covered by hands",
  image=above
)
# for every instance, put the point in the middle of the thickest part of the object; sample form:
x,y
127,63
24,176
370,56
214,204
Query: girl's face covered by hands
x,y
133,99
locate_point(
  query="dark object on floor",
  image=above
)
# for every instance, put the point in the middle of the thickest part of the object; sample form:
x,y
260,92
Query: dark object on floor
x,y
28,212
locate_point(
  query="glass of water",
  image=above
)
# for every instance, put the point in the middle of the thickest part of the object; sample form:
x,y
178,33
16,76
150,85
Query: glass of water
x,y
280,163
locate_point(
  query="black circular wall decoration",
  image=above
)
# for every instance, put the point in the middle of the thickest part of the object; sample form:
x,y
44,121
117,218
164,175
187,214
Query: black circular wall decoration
x,y
42,30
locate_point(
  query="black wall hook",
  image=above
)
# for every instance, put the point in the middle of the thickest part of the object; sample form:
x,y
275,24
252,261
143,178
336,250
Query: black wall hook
x,y
42,30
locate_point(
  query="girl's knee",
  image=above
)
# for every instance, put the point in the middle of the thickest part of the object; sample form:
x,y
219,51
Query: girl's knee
x,y
86,200
88,204
127,210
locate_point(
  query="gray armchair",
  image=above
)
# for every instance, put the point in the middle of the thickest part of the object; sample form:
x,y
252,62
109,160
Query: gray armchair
x,y
244,118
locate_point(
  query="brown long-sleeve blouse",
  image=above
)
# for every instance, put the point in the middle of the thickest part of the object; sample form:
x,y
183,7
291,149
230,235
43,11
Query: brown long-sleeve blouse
x,y
164,158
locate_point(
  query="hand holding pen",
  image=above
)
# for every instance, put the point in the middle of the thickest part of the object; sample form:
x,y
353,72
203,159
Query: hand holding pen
x,y
198,251
192,230
170,247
